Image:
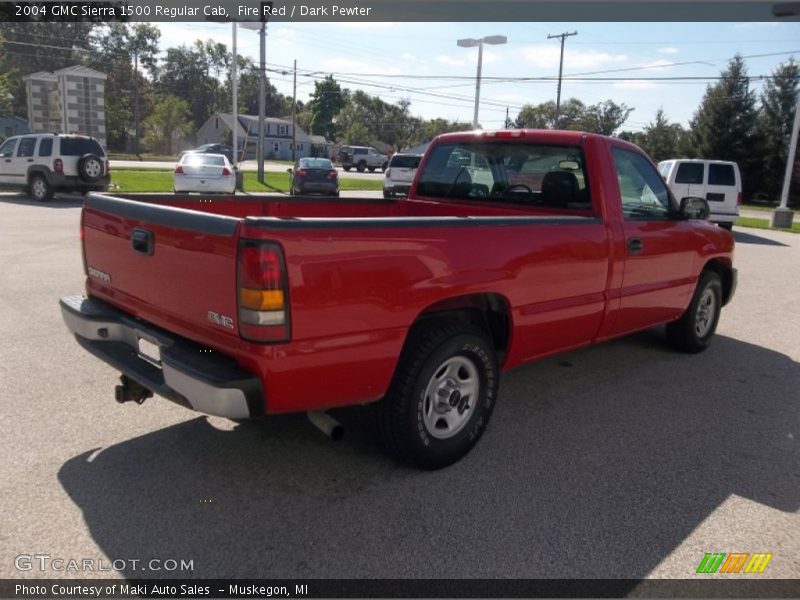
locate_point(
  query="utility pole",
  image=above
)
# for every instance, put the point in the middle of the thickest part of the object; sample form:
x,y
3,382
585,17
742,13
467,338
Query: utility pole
x,y
783,215
261,98
563,36
235,100
136,104
294,111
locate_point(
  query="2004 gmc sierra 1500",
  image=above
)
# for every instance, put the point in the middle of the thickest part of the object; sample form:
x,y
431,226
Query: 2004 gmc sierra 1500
x,y
510,246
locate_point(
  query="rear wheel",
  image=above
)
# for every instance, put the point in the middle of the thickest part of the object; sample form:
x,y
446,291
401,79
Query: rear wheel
x,y
384,166
728,226
347,168
694,331
442,395
40,189
90,167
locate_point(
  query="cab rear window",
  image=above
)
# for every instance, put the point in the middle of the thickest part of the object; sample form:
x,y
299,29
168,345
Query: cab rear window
x,y
80,146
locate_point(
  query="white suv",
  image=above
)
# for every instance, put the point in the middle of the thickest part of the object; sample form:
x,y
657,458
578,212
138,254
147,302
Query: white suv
x,y
717,181
400,174
45,163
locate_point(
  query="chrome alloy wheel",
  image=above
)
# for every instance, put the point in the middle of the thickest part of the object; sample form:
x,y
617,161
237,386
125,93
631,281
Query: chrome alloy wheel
x,y
93,168
706,310
450,397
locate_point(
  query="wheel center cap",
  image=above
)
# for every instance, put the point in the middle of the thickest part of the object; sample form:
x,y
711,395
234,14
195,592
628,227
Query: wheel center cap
x,y
455,398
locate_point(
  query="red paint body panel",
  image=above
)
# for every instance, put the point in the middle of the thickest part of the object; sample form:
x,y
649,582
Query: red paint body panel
x,y
361,272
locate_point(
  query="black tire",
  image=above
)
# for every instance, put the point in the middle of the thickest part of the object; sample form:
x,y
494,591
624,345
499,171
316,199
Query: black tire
x,y
335,194
91,167
387,193
384,166
347,168
728,226
404,426
41,190
695,329
371,169
361,166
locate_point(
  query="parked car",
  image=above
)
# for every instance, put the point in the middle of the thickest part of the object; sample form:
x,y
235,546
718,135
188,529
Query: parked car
x,y
223,149
718,181
362,158
45,163
314,176
211,173
418,304
400,174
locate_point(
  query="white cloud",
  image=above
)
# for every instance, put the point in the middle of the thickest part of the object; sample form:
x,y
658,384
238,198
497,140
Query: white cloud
x,y
658,64
408,56
668,50
548,55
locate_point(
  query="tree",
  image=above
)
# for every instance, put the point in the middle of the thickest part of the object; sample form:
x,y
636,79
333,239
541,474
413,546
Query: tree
x,y
169,121
125,53
6,98
660,138
725,125
778,102
604,117
325,104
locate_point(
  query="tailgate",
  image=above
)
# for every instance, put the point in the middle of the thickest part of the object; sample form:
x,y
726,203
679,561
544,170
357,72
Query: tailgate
x,y
173,267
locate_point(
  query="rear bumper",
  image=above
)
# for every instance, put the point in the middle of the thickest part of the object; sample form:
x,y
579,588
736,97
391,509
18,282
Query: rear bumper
x,y
188,373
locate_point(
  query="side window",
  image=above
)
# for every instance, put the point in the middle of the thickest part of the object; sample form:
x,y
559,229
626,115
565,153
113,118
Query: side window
x,y
7,149
26,147
721,175
46,147
690,173
644,195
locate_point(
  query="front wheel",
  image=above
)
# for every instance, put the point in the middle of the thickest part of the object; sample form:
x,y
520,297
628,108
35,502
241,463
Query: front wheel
x,y
695,329
442,395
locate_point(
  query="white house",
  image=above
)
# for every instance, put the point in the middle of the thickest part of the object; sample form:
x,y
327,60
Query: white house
x,y
277,136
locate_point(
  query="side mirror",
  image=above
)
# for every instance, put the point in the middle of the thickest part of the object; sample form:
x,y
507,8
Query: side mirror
x,y
693,207
289,171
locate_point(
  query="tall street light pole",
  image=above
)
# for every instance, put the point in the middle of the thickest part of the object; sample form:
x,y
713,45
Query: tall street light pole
x,y
235,100
783,215
471,43
563,36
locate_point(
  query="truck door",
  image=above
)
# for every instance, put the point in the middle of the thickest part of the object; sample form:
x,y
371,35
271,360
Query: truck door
x,y
659,248
23,158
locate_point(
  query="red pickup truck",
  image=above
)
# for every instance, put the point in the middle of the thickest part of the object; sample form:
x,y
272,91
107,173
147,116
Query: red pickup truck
x,y
510,246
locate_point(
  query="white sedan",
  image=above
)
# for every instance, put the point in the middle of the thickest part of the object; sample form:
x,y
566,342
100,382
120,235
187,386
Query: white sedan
x,y
196,172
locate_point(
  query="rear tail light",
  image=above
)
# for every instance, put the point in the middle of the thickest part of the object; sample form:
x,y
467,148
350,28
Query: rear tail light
x,y
226,171
301,172
739,199
388,172
179,169
58,165
332,174
263,292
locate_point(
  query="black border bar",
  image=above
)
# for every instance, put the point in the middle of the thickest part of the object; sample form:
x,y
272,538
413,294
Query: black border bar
x,y
712,586
401,11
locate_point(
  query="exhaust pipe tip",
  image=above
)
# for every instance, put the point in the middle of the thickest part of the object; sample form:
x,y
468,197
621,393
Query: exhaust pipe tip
x,y
326,424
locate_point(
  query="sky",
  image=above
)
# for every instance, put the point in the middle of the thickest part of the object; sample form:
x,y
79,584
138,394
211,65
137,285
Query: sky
x,y
421,62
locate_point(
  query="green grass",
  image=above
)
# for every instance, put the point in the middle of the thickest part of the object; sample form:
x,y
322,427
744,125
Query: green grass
x,y
764,224
155,180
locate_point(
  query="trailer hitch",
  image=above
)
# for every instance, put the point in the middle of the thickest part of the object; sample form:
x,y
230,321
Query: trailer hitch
x,y
131,391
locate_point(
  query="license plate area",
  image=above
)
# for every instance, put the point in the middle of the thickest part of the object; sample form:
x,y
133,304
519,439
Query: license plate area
x,y
149,351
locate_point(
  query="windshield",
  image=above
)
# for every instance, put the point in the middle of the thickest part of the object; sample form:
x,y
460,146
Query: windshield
x,y
405,161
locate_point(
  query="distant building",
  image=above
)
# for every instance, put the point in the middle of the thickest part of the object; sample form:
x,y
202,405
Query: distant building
x,y
70,100
13,126
277,136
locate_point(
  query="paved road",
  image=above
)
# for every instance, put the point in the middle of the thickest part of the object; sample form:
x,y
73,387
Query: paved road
x,y
248,165
623,460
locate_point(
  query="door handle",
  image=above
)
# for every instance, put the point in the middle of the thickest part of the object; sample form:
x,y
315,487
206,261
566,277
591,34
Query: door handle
x,y
30,160
635,245
142,241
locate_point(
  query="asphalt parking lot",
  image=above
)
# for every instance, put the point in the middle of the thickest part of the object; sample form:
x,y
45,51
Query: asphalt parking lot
x,y
624,460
